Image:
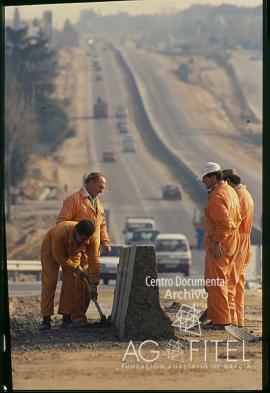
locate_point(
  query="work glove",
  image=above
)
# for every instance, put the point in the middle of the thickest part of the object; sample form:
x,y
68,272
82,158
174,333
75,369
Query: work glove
x,y
93,292
79,273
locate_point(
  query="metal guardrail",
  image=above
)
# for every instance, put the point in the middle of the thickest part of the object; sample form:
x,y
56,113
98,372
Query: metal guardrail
x,y
25,266
22,266
18,266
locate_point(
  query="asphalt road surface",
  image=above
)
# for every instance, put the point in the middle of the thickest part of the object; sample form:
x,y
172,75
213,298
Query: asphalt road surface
x,y
193,144
134,179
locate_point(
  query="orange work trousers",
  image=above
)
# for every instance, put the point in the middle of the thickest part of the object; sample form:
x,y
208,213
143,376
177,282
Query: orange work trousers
x,y
82,297
236,283
81,302
217,272
49,278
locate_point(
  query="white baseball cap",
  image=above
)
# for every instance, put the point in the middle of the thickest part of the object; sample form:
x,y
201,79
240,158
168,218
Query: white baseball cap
x,y
209,167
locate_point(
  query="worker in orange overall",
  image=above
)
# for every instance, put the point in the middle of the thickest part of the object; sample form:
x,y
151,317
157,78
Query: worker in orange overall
x,y
84,204
237,277
62,246
222,221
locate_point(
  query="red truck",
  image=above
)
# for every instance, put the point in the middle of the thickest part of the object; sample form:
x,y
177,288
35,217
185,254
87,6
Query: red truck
x,y
100,109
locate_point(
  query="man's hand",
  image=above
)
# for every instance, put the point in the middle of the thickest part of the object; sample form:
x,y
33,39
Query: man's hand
x,y
106,247
93,293
79,273
216,250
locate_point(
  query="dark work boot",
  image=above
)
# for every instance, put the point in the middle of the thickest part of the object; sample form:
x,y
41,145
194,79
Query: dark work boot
x,y
46,323
66,322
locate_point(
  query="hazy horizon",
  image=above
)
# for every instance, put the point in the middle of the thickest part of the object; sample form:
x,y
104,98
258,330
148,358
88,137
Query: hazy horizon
x,y
72,11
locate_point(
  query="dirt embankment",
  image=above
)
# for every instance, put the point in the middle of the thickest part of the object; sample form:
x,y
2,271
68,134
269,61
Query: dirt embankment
x,y
220,79
210,97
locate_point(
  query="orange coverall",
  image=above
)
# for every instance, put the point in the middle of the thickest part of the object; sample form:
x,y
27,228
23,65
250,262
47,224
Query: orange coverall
x,y
222,221
78,207
237,277
59,248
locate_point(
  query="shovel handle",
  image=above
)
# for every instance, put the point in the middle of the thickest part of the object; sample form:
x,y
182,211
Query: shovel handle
x,y
102,316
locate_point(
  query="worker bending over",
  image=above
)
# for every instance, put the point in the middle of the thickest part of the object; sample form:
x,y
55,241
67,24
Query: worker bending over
x,y
62,246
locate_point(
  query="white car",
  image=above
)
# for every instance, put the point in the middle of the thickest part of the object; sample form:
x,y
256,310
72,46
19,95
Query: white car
x,y
173,253
121,111
109,263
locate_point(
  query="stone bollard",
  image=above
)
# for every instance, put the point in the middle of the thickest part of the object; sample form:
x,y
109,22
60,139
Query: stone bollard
x,y
136,311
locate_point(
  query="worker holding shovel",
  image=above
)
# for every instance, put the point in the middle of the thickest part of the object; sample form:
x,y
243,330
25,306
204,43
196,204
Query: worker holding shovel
x,y
63,246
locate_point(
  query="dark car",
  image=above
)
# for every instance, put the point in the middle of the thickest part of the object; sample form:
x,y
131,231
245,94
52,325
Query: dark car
x,y
109,262
143,236
108,156
171,191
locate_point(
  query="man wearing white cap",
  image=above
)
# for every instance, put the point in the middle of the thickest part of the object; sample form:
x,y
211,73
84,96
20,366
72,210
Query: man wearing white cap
x,y
222,221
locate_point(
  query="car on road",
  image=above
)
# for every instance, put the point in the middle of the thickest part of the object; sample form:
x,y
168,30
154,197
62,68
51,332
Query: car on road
x,y
128,146
109,263
108,156
121,111
128,138
121,122
122,128
172,191
173,253
133,223
144,236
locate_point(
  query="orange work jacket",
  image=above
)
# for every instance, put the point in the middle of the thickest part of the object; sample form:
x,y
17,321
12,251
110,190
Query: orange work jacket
x,y
222,217
60,245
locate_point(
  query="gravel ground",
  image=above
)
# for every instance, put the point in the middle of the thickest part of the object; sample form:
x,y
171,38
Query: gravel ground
x,y
92,358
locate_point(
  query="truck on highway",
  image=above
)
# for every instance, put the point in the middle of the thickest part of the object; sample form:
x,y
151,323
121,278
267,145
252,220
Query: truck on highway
x,y
100,109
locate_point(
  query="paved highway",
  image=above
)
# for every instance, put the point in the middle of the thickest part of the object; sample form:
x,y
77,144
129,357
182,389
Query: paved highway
x,y
135,179
174,123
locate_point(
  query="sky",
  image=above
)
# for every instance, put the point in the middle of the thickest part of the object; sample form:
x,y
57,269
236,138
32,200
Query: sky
x,y
71,11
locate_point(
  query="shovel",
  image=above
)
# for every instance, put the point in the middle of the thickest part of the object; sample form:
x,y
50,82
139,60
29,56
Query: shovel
x,y
103,319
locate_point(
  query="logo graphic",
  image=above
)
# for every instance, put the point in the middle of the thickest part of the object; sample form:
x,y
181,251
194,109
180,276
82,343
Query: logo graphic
x,y
174,351
188,320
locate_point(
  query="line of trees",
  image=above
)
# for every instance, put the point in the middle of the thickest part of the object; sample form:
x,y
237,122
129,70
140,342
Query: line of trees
x,y
31,116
